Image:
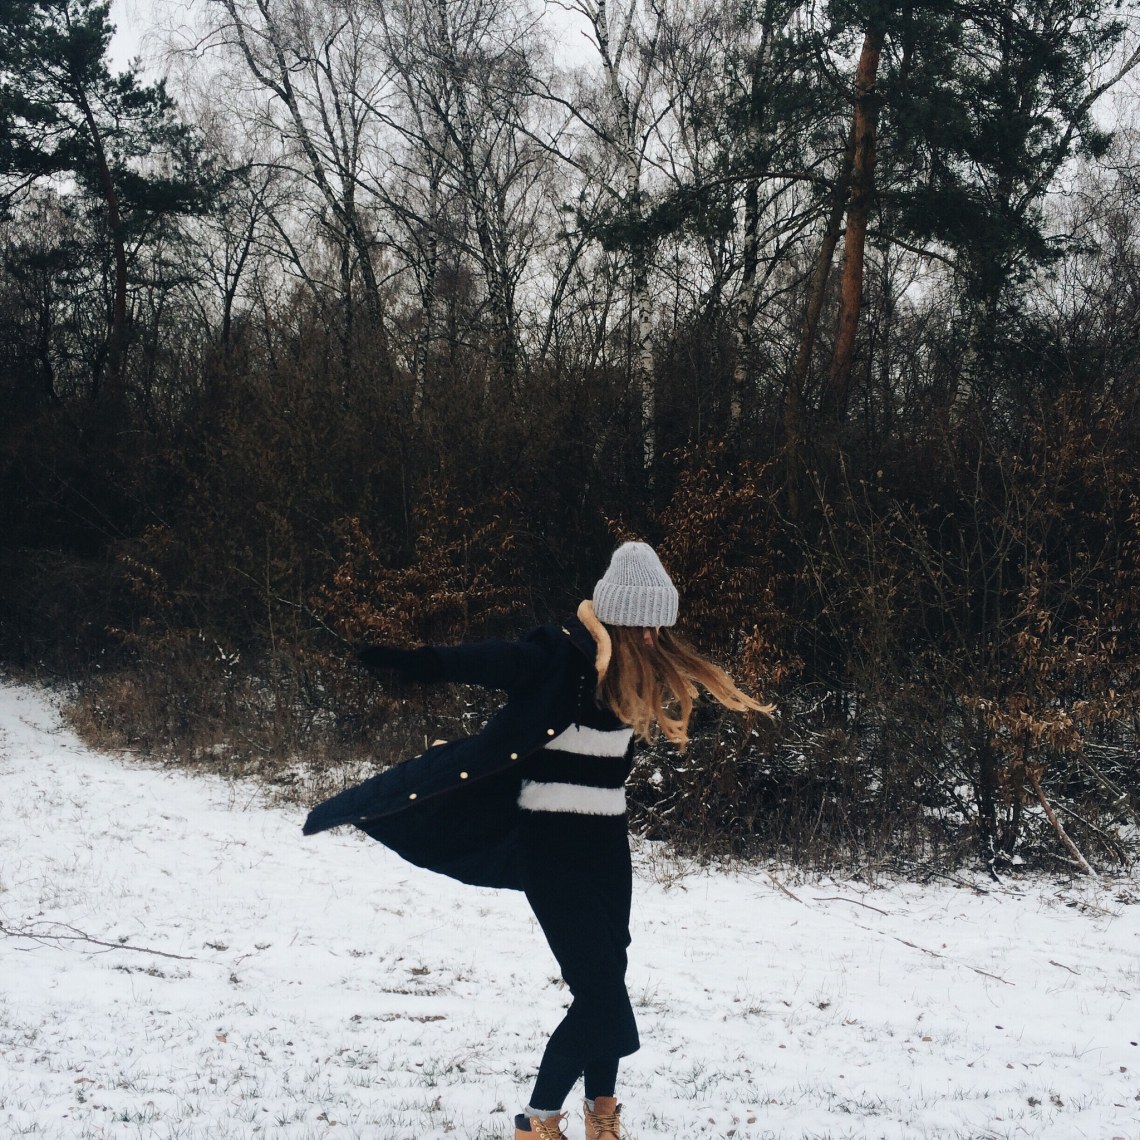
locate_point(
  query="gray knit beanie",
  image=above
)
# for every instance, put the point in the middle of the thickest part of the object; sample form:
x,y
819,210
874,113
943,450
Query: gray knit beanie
x,y
636,589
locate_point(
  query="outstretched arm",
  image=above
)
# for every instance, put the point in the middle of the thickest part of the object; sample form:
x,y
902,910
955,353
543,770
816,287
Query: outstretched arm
x,y
494,664
410,664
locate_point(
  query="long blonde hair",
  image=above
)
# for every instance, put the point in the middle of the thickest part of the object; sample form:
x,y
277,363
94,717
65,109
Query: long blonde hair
x,y
639,681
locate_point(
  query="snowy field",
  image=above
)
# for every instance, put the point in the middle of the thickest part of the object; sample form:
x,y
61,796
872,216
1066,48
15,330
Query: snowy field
x,y
177,963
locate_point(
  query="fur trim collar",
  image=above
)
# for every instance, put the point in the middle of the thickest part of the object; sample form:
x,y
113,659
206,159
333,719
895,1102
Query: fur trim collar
x,y
600,635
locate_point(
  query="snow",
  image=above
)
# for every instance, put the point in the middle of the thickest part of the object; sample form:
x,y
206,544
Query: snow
x,y
178,963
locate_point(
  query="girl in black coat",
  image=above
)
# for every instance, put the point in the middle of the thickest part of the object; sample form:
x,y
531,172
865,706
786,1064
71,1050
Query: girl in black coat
x,y
536,801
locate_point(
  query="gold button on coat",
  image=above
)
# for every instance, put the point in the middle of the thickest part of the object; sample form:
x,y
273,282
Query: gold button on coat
x,y
463,775
514,755
550,732
412,796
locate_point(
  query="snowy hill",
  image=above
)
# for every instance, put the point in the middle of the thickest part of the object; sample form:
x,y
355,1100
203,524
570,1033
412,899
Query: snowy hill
x,y
177,963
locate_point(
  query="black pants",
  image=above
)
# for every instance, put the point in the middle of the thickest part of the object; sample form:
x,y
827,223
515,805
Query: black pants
x,y
578,880
557,1076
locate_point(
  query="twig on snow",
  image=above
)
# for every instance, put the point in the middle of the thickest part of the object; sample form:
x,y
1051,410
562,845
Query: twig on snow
x,y
74,935
780,886
905,942
956,961
857,902
961,882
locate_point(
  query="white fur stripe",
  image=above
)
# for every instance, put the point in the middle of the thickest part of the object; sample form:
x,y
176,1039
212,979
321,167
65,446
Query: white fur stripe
x,y
592,741
579,798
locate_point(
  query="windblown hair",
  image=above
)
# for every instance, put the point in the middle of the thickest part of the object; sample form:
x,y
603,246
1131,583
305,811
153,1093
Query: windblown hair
x,y
642,681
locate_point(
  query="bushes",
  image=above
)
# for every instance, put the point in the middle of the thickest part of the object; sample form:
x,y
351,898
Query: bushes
x,y
947,620
954,656
956,668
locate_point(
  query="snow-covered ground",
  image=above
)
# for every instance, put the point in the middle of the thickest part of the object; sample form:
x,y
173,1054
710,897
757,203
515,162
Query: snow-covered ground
x,y
177,962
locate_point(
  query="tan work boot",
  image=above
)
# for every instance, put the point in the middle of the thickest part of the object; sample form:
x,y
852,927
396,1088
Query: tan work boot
x,y
541,1128
603,1123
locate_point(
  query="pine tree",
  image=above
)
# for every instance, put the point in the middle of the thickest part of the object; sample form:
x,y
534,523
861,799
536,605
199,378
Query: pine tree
x,y
985,115
65,117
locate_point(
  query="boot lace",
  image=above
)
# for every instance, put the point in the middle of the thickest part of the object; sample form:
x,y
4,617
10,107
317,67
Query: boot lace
x,y
548,1129
605,1122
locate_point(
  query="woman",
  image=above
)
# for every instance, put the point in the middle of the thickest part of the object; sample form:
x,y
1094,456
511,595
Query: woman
x,y
536,801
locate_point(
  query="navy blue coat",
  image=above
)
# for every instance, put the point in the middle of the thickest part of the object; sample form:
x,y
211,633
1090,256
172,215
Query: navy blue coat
x,y
454,808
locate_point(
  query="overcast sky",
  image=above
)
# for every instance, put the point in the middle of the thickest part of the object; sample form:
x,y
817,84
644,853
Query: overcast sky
x,y
139,22
138,26
132,19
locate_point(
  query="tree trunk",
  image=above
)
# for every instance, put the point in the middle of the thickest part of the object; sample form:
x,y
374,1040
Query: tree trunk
x,y
427,300
748,302
864,131
495,273
111,383
746,305
642,359
231,280
797,380
45,325
625,141
987,792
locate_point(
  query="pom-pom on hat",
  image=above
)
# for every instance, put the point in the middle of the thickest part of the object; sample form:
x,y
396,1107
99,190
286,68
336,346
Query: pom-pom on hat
x,y
636,589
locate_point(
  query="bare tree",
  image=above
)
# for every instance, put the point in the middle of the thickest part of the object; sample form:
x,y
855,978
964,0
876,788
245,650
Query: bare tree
x,y
612,123
463,68
319,65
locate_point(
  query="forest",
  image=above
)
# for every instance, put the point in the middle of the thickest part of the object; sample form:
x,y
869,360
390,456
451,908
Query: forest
x,y
387,319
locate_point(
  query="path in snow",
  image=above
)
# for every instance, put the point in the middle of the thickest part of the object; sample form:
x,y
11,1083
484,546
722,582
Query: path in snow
x,y
302,989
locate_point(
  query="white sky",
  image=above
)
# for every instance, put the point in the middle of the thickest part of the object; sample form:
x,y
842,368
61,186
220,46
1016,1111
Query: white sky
x,y
132,20
139,23
139,32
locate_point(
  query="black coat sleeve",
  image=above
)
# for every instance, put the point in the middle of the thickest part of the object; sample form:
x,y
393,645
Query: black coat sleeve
x,y
509,665
408,664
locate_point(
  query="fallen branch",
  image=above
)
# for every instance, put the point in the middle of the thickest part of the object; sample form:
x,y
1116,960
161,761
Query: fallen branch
x,y
857,902
780,886
1052,962
961,882
948,958
1062,834
44,937
883,934
1114,848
